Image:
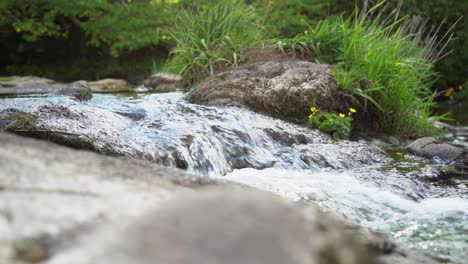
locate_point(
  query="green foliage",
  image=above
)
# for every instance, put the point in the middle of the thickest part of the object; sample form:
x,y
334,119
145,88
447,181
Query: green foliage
x,y
338,126
5,79
452,68
211,35
378,64
120,26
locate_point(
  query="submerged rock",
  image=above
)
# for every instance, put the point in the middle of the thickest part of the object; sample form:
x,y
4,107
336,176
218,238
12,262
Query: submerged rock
x,y
163,216
279,88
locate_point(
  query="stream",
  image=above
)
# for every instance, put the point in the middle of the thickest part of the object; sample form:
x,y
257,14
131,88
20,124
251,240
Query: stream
x,y
386,189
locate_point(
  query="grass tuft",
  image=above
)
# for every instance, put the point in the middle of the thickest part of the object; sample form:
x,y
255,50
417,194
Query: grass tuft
x,y
386,64
212,35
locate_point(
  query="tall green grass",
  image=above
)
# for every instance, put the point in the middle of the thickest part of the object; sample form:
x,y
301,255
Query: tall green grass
x,y
213,35
386,64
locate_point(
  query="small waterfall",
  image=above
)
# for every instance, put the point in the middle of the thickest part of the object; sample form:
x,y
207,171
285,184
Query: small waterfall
x,y
388,193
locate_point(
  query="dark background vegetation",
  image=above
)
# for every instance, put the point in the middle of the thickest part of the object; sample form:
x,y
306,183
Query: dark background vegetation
x,y
91,39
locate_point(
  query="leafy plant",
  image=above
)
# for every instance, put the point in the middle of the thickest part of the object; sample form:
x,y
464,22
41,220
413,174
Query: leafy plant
x,y
337,125
211,35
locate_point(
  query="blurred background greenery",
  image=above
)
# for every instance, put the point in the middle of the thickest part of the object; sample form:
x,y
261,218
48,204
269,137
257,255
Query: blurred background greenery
x,y
91,39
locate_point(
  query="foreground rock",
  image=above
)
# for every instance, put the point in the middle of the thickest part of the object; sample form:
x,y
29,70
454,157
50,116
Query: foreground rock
x,y
455,158
163,82
284,88
50,194
108,210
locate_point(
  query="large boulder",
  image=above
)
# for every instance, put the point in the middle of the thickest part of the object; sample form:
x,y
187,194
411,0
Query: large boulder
x,y
59,205
163,82
284,88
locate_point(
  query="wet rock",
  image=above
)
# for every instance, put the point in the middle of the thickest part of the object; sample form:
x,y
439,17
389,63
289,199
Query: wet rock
x,y
455,159
78,90
278,88
65,126
110,86
433,148
163,82
28,85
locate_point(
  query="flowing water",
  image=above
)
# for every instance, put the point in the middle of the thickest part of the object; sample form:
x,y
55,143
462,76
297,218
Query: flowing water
x,y
387,190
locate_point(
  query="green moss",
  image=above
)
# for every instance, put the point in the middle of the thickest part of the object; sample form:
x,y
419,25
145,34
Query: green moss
x,y
23,119
31,249
5,79
180,163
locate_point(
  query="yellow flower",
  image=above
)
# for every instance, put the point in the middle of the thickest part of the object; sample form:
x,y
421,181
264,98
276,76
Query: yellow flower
x,y
352,110
460,87
311,116
342,115
313,110
449,92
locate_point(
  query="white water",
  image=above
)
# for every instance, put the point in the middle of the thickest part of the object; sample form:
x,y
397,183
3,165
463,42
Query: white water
x,y
436,225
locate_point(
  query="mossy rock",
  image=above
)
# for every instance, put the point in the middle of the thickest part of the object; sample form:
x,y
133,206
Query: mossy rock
x,y
5,79
12,119
83,94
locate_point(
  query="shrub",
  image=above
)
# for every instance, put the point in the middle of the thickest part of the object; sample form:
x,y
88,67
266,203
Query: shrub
x,y
338,126
211,35
382,65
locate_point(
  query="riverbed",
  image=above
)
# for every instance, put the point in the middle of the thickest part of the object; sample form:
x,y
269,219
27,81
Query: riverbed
x,y
384,188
